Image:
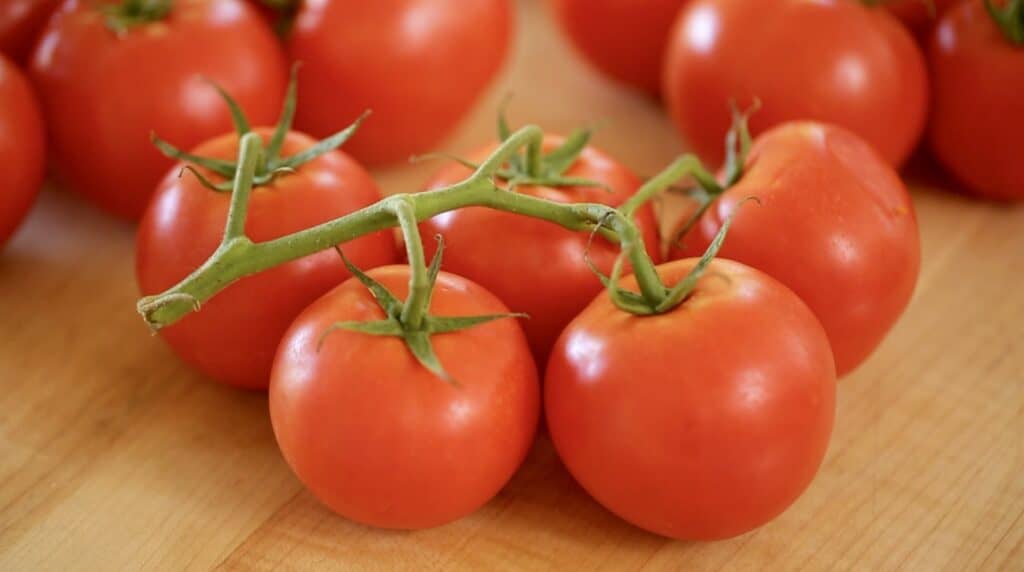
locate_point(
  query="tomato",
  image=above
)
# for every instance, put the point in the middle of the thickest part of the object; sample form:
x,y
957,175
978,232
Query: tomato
x,y
976,130
701,423
101,116
535,266
917,16
837,62
21,148
380,439
835,224
234,337
418,64
624,40
20,24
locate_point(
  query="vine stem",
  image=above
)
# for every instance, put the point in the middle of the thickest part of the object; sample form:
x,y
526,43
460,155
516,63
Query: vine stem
x,y
238,257
415,307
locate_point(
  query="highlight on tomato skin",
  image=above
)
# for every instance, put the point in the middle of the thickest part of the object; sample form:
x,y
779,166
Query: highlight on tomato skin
x,y
396,58
701,423
978,114
22,148
918,16
100,117
624,40
865,72
234,338
835,224
380,439
21,21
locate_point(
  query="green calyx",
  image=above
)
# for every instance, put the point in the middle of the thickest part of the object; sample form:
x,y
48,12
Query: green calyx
x,y
1009,19
128,14
271,164
411,320
737,147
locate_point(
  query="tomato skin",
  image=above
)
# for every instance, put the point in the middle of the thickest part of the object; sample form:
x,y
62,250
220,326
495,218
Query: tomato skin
x,y
865,72
533,265
624,40
916,15
419,80
234,337
835,224
20,24
101,118
383,441
701,423
976,132
22,152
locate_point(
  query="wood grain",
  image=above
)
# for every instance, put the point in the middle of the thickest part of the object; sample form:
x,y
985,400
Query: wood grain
x,y
114,456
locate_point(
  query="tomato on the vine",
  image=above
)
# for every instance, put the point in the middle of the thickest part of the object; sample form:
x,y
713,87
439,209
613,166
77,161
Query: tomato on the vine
x,y
835,224
977,124
837,62
235,335
700,423
382,440
105,89
625,40
20,24
22,150
417,64
535,266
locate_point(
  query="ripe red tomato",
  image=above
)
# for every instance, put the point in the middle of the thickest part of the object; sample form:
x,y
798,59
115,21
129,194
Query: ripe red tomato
x,y
701,423
535,266
101,115
835,224
625,40
837,62
917,16
234,337
22,151
418,64
20,24
978,89
380,439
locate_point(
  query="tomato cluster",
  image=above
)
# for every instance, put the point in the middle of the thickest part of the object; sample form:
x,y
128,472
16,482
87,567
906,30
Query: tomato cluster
x,y
694,398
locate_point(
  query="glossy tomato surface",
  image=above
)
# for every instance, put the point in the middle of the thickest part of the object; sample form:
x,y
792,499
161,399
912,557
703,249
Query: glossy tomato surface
x,y
21,21
703,422
978,90
380,439
535,266
418,64
837,62
22,152
234,336
104,94
917,15
835,224
623,39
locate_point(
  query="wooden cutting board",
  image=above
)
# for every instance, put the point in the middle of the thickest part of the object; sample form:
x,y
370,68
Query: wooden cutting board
x,y
114,456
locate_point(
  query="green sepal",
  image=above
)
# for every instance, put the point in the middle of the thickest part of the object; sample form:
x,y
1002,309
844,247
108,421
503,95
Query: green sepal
x,y
388,302
419,344
376,328
325,146
678,293
238,118
127,14
562,157
225,169
738,142
448,324
284,123
1009,19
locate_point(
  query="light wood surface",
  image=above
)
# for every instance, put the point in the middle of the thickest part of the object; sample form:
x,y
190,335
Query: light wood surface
x,y
114,456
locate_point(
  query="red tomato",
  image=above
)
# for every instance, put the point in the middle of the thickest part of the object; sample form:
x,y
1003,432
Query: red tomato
x,y
835,224
837,62
625,40
418,64
978,89
917,16
20,24
234,336
383,441
22,151
535,266
104,94
701,423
